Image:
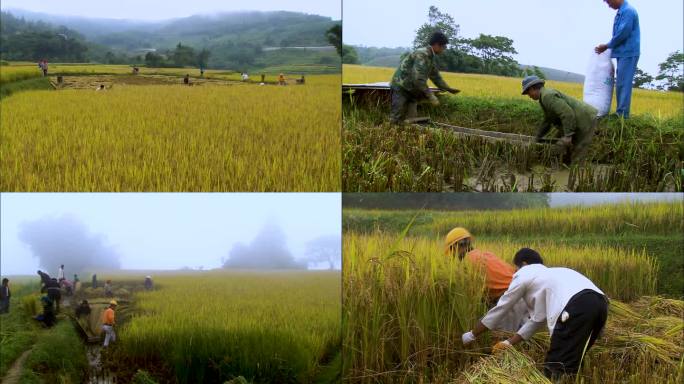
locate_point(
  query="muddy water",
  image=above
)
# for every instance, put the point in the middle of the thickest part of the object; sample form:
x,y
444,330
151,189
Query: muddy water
x,y
97,374
537,179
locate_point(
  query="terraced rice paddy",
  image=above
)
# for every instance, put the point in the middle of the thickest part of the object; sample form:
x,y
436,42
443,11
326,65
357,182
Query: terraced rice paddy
x,y
211,137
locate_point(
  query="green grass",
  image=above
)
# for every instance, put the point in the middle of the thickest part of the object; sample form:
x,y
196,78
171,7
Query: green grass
x,y
58,356
666,249
606,219
17,333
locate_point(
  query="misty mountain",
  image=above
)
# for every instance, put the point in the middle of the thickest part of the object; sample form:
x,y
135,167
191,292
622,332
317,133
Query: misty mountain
x,y
226,35
558,74
269,29
87,26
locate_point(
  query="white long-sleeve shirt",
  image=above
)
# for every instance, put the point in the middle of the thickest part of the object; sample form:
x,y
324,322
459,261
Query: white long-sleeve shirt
x,y
60,273
545,291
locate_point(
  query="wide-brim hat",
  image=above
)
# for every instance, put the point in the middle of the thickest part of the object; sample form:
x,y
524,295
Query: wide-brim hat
x,y
454,236
530,81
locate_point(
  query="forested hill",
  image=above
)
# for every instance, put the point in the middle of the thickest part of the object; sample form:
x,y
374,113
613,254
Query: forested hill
x,y
33,40
242,39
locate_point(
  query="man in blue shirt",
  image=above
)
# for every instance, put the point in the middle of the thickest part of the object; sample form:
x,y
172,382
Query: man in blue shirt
x,y
625,46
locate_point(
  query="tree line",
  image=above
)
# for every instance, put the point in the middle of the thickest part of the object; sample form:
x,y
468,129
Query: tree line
x,y
493,55
444,201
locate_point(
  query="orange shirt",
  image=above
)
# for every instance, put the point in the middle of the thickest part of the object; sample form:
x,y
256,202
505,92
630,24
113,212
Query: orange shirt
x,y
108,316
499,273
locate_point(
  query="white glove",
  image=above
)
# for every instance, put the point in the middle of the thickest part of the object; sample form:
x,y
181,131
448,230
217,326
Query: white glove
x,y
468,337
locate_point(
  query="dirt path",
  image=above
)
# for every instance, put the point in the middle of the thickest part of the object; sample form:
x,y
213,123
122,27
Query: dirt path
x,y
13,374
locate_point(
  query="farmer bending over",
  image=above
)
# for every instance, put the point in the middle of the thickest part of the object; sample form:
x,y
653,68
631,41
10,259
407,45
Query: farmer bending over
x,y
83,309
572,307
459,243
576,118
48,316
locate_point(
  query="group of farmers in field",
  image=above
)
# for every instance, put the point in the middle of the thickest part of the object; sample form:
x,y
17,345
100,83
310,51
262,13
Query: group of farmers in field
x,y
525,298
53,287
577,119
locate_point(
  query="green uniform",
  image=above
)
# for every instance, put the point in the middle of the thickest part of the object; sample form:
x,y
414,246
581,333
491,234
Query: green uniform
x,y
574,118
409,82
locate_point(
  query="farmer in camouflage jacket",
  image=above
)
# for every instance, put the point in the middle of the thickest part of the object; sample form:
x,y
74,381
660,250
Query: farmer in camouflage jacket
x,y
409,83
576,119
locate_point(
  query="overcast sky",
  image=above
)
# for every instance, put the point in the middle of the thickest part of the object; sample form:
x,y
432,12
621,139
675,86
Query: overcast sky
x,y
166,9
170,231
556,34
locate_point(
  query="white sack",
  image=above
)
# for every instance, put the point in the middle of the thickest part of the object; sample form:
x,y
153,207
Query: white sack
x,y
598,82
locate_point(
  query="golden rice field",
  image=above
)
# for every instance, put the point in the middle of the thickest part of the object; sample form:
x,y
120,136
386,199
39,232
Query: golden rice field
x,y
265,326
405,305
173,138
9,73
659,104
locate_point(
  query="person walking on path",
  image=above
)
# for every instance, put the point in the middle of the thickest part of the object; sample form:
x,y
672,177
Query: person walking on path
x,y
410,81
573,308
577,120
108,323
625,46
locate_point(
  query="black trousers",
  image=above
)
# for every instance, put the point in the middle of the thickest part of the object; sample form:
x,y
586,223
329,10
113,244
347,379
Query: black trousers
x,y
588,312
55,295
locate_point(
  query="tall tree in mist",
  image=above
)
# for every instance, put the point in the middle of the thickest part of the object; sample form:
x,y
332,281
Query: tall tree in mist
x,y
66,240
325,249
268,250
334,36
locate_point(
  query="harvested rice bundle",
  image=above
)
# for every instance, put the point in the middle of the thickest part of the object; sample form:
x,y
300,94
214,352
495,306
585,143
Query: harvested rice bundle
x,y
652,306
509,367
